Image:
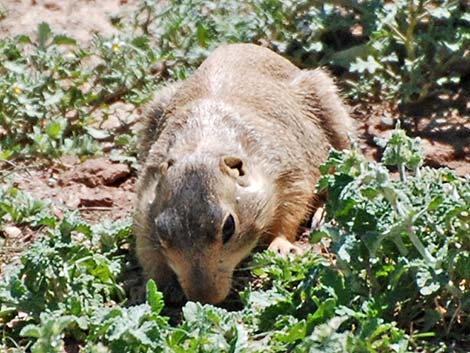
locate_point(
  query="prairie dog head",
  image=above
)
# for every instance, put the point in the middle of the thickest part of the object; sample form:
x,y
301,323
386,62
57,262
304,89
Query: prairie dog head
x,y
207,215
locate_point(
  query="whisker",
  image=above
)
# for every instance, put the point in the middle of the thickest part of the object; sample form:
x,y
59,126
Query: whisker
x,y
149,237
156,247
140,226
245,268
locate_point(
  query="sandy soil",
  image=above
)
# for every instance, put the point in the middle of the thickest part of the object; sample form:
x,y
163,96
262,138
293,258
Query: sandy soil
x,y
79,19
443,125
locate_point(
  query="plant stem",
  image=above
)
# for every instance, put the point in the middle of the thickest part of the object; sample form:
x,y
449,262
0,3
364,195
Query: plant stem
x,y
419,246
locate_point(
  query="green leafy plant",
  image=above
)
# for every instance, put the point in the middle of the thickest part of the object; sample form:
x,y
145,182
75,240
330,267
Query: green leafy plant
x,y
403,242
403,51
68,272
18,207
51,89
415,49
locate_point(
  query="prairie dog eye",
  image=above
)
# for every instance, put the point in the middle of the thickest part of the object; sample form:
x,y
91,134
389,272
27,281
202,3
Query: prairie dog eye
x,y
228,228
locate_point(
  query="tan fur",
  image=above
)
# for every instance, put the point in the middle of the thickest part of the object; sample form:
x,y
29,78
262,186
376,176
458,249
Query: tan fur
x,y
244,135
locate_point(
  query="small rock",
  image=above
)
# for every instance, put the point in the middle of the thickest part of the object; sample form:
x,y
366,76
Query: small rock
x,y
112,123
386,122
52,6
51,182
90,198
95,172
115,173
11,232
68,160
120,115
437,154
357,30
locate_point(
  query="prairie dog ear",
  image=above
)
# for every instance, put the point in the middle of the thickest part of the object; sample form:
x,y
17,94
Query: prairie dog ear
x,y
164,166
233,166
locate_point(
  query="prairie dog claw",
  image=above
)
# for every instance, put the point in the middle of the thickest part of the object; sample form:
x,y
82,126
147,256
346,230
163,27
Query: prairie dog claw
x,y
318,218
284,247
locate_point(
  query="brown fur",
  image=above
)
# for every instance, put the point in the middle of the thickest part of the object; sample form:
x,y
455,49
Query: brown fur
x,y
244,135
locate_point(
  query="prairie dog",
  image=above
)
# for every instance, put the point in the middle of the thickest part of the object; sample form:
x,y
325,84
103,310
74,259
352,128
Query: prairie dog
x,y
230,158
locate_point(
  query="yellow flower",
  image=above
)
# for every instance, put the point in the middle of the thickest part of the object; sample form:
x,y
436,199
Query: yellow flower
x,y
17,90
115,47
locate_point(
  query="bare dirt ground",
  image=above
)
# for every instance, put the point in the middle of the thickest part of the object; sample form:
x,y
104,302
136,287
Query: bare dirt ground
x,y
97,187
79,19
442,123
100,188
